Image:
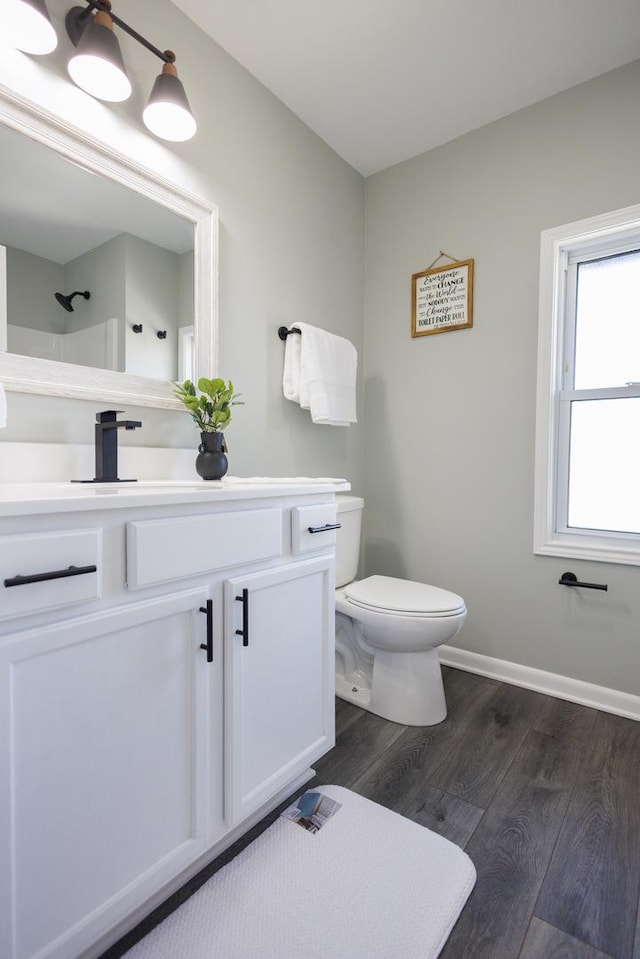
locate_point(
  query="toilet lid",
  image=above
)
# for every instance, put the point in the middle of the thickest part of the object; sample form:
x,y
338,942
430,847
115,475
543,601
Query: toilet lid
x,y
403,596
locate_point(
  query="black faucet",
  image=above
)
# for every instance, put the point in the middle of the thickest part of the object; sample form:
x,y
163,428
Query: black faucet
x,y
106,431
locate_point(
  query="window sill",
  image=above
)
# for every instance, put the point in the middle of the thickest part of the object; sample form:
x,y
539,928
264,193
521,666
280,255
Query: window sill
x,y
599,549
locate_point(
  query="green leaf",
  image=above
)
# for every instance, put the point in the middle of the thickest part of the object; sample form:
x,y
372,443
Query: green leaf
x,y
210,404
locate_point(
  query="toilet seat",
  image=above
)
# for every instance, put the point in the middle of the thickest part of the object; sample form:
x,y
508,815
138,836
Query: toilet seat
x,y
401,597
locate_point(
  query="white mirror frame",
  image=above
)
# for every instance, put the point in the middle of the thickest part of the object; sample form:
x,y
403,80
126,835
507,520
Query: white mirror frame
x,y
25,374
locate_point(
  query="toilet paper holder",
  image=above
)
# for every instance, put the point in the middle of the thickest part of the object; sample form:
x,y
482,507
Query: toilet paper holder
x,y
570,579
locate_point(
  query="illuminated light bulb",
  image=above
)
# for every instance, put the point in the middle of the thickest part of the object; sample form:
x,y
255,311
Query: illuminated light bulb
x,y
30,28
97,65
167,113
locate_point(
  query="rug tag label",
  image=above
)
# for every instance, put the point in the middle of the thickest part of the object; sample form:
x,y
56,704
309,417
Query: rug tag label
x,y
312,810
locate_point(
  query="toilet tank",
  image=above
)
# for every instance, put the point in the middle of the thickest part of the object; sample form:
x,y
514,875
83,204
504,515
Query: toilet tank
x,y
348,537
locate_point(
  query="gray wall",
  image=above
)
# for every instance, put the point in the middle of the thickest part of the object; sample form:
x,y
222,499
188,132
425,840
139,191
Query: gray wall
x,y
101,271
291,240
31,283
152,277
450,417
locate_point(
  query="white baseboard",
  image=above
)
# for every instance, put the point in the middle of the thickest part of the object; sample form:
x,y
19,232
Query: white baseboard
x,y
563,687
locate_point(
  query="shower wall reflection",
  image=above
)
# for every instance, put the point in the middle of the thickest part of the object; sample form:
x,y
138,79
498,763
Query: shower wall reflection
x,y
132,282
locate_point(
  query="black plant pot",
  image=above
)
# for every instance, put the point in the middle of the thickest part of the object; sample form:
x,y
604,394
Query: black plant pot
x,y
211,461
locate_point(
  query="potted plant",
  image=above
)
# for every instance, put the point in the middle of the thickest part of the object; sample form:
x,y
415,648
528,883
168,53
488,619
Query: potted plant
x,y
209,405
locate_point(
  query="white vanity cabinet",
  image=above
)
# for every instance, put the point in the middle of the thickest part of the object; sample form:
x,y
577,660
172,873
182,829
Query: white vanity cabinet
x,y
277,647
279,679
103,768
139,735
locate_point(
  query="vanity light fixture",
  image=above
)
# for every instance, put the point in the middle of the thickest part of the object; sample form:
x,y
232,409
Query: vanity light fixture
x,y
31,27
98,67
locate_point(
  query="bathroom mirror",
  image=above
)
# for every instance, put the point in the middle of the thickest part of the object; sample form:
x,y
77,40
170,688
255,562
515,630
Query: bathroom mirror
x,y
108,273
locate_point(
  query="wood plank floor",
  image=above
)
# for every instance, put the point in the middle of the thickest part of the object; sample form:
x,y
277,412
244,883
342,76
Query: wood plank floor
x,y
543,795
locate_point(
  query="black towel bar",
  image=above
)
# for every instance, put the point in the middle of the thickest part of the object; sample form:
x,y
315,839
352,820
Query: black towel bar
x,y
283,332
570,579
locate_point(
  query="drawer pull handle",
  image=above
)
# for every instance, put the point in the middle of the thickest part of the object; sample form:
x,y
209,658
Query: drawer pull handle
x,y
244,632
323,529
208,609
54,574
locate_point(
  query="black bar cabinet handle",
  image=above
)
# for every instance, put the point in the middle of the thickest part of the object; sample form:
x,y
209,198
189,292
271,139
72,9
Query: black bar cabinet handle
x,y
53,574
208,609
570,579
323,529
244,632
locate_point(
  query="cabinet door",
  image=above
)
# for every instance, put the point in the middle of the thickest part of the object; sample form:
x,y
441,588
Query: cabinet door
x,y
279,679
104,743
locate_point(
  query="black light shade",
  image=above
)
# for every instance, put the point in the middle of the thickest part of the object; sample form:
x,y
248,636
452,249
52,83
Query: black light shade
x,y
167,113
97,65
31,28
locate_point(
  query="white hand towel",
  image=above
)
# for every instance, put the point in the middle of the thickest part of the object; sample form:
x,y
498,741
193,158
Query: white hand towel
x,y
292,368
328,367
3,408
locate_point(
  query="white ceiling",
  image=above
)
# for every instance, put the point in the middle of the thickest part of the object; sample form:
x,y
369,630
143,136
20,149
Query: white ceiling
x,y
383,80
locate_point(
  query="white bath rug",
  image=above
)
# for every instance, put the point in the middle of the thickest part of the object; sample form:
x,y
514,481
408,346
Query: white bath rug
x,y
367,884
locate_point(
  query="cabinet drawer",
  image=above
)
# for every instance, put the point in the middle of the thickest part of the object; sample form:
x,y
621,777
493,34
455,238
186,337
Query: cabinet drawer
x,y
46,570
307,527
162,550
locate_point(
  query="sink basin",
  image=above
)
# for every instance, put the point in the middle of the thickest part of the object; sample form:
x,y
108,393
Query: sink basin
x,y
55,497
77,488
68,490
228,482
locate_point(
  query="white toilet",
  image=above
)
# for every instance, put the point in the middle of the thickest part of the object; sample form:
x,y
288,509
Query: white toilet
x,y
387,634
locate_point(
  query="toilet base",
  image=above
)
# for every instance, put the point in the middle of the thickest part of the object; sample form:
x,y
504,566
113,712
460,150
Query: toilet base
x,y
358,695
406,688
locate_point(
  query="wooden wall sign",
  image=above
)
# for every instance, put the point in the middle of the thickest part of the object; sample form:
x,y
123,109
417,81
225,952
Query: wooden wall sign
x,y
442,298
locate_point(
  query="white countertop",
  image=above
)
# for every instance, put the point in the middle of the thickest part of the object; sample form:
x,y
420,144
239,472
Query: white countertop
x,y
65,497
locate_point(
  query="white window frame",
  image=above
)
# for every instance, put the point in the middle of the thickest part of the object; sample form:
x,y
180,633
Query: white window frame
x,y
615,232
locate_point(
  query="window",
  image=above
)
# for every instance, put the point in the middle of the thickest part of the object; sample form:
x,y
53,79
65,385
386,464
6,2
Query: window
x,y
587,490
